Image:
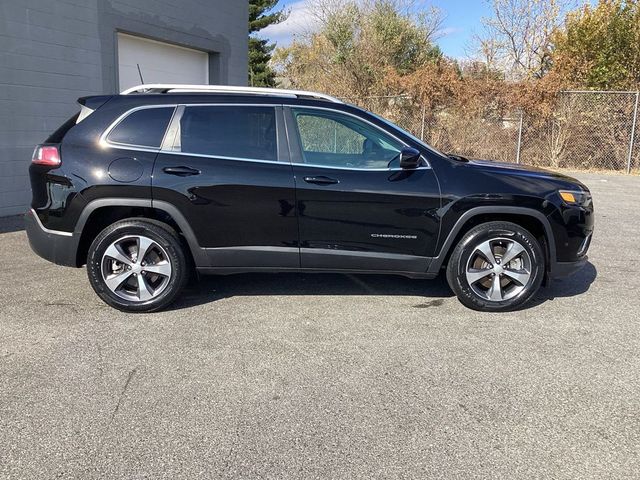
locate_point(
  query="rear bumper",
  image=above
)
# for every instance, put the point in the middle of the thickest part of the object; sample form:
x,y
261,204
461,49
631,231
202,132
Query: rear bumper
x,y
55,246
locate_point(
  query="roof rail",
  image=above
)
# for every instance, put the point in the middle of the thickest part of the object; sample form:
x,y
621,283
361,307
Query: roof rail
x,y
176,88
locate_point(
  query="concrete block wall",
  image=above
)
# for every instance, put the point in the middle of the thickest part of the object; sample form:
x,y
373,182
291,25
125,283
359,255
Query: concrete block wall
x,y
54,51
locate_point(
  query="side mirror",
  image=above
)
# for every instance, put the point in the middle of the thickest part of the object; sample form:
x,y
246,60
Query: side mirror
x,y
409,158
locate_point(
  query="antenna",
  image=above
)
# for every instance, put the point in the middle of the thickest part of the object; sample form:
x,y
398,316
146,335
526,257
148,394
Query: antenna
x,y
140,73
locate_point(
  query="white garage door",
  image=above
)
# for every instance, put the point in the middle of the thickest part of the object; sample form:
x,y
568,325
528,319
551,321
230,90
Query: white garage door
x,y
159,62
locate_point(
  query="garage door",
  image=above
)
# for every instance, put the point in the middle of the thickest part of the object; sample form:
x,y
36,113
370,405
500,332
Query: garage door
x,y
159,62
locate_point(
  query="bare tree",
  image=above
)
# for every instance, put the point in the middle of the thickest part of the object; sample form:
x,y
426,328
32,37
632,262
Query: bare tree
x,y
485,51
518,34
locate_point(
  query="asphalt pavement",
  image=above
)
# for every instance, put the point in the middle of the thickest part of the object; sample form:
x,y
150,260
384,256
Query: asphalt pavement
x,y
326,376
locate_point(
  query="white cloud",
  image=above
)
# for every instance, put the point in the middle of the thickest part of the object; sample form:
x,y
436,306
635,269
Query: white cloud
x,y
448,31
300,20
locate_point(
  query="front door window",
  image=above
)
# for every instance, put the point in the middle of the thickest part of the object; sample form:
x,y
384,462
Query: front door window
x,y
334,140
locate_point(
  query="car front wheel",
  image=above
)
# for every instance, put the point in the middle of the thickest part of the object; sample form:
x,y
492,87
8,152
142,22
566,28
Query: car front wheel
x,y
137,265
497,266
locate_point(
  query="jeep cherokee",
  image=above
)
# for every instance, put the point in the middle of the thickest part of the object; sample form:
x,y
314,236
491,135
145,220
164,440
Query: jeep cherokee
x,y
145,186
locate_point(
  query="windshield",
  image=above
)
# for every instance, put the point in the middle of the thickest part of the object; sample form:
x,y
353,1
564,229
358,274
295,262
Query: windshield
x,y
408,134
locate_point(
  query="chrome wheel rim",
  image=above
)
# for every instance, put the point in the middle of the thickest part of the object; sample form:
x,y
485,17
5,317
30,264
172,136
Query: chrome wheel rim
x,y
136,268
499,269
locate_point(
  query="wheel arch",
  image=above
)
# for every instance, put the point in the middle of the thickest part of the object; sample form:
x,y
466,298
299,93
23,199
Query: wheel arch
x,y
98,214
533,220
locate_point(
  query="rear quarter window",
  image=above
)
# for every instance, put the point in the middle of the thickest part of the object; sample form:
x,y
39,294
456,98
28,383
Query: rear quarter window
x,y
142,128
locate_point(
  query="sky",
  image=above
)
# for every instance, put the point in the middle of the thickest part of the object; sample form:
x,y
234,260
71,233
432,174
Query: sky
x,y
462,20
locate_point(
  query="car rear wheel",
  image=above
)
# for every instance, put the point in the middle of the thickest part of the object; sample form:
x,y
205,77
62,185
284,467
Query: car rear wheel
x,y
137,265
497,266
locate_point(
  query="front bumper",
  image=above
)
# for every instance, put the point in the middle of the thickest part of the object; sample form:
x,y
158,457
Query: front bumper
x,y
56,246
566,269
573,229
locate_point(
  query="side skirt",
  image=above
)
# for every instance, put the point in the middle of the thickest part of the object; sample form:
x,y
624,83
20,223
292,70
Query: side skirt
x,y
239,270
265,258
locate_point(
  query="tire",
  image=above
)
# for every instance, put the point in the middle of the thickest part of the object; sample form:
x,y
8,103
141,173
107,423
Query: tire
x,y
479,277
115,271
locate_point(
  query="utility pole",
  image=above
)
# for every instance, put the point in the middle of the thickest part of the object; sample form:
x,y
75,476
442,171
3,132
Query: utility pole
x,y
633,132
520,137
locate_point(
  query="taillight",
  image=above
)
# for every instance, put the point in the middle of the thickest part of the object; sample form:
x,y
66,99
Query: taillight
x,y
47,155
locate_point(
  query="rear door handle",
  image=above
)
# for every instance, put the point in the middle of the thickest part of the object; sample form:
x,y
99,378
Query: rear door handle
x,y
181,171
321,180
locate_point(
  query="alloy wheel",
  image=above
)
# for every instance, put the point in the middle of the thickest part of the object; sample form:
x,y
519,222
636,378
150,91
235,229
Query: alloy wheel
x,y
136,268
499,269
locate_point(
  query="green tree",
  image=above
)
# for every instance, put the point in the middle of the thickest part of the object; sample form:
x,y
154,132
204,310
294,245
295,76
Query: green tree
x,y
599,48
261,15
358,44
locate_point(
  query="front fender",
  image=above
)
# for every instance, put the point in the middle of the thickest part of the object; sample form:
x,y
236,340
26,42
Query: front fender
x,y
445,243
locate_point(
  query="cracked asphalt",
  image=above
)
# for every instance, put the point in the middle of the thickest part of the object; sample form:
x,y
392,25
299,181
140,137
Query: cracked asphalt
x,y
325,376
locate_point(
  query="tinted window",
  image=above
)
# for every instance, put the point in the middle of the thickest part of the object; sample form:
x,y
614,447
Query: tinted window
x,y
233,131
144,127
333,139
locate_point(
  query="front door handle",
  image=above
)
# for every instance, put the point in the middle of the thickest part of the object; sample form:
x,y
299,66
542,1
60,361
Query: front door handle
x,y
321,180
181,171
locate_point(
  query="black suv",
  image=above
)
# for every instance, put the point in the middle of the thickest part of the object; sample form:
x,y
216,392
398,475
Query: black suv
x,y
144,186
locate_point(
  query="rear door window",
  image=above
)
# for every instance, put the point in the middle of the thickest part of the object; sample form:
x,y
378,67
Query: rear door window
x,y
238,132
142,128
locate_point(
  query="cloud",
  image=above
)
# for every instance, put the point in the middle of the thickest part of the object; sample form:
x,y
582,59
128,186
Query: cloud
x,y
447,31
300,20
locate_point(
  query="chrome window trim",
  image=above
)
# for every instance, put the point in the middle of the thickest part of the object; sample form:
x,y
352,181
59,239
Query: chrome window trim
x,y
124,146
105,142
47,230
165,148
255,160
222,157
396,169
333,110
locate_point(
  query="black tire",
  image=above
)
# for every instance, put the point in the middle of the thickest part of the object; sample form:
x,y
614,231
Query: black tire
x,y
488,294
165,243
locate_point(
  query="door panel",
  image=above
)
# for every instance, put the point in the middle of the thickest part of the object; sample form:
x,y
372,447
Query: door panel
x,y
368,212
367,217
242,210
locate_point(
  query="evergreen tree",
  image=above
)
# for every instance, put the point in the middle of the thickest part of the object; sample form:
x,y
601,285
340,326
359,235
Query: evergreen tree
x,y
261,15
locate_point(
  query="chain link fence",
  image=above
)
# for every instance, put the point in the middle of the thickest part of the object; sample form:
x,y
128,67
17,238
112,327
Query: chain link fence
x,y
586,131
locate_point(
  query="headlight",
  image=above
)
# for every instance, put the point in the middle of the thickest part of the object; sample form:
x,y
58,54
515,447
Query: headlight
x,y
575,197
